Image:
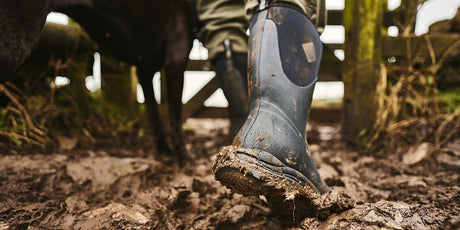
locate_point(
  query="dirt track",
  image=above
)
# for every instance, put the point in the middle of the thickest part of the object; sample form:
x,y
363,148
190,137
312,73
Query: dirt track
x,y
123,185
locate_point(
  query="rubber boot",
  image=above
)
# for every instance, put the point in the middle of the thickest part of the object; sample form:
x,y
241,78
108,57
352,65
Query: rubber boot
x,y
270,156
231,72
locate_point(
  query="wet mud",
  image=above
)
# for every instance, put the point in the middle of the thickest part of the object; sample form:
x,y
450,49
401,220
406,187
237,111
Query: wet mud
x,y
126,185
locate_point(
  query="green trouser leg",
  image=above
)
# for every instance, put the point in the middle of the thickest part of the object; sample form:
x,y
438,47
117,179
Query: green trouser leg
x,y
224,20
227,19
314,9
221,20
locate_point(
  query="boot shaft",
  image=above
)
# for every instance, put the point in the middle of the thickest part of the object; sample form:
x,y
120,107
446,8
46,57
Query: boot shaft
x,y
284,55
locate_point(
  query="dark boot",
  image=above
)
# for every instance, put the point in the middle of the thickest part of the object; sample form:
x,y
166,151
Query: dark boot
x,y
269,155
231,72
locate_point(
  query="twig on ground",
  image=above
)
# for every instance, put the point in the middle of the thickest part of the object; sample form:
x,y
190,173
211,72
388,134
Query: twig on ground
x,y
21,137
23,110
443,127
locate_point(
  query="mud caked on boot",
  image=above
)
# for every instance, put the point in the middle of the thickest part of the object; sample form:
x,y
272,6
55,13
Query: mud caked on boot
x,y
231,72
269,155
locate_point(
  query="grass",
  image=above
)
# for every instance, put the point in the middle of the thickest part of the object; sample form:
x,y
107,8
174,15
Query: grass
x,y
449,99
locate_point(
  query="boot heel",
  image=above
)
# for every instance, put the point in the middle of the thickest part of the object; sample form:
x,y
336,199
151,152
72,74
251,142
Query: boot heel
x,y
255,172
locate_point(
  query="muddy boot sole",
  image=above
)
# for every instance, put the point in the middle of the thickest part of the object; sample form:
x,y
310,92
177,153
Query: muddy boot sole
x,y
254,172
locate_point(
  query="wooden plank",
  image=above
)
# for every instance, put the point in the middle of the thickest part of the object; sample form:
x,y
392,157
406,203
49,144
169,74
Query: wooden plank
x,y
211,112
328,115
333,46
335,17
196,102
330,70
163,88
198,65
396,46
331,67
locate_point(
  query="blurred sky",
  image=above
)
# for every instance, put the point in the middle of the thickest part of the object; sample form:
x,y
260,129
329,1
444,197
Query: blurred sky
x,y
429,12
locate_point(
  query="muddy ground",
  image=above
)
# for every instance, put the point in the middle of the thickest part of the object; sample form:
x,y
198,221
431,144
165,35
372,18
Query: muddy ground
x,y
125,184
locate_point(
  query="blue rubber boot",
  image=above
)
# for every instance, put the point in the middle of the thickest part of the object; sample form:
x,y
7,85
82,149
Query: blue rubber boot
x,y
269,155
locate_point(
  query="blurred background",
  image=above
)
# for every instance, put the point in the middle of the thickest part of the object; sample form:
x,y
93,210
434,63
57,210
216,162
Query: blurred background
x,y
330,92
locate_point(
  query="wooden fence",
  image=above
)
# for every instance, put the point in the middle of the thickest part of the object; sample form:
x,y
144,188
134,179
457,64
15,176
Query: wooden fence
x,y
73,41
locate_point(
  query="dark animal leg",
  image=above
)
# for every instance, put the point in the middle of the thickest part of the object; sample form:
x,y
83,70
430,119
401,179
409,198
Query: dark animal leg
x,y
153,113
178,46
175,83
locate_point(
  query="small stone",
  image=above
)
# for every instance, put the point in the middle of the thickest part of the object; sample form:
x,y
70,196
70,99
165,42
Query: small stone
x,y
327,171
118,211
371,217
4,226
237,212
416,154
66,143
448,160
74,204
398,217
454,146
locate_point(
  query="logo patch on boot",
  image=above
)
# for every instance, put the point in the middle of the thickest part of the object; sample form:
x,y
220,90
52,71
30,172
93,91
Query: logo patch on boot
x,y
309,50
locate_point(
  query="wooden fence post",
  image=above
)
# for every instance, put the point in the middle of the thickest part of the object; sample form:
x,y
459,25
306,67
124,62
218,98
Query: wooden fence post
x,y
363,40
77,72
117,86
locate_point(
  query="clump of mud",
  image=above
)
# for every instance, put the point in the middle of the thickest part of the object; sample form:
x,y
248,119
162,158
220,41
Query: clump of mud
x,y
243,171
